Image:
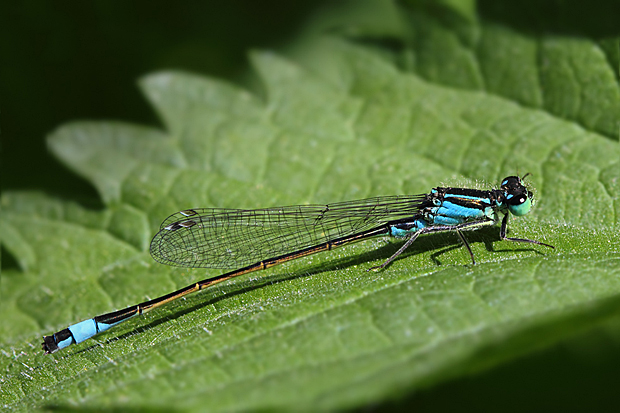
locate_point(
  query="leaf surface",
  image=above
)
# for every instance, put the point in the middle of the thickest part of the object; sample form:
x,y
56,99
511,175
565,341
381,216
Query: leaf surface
x,y
462,103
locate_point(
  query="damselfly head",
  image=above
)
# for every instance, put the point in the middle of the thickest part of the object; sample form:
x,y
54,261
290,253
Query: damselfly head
x,y
518,198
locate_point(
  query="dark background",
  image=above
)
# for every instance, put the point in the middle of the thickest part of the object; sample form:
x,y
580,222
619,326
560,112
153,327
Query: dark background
x,y
67,60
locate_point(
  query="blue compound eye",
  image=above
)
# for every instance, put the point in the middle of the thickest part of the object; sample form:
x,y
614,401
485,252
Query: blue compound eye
x,y
519,205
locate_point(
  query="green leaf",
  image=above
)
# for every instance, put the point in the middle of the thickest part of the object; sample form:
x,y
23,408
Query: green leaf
x,y
464,101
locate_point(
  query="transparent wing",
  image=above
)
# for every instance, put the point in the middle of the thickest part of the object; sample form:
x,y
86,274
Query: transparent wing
x,y
233,238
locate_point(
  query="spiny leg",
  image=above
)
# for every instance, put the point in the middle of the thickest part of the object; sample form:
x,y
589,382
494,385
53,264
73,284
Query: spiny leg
x,y
471,254
406,245
502,235
436,228
473,224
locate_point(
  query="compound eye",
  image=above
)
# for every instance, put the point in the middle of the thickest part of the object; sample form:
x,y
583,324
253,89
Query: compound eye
x,y
519,205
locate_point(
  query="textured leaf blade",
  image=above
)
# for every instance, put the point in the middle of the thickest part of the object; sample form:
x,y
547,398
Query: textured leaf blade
x,y
339,121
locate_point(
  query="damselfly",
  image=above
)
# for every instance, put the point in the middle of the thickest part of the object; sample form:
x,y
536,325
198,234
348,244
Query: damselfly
x,y
252,240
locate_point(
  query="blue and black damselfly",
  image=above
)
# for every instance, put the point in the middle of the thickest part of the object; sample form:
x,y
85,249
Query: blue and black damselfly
x,y
252,240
